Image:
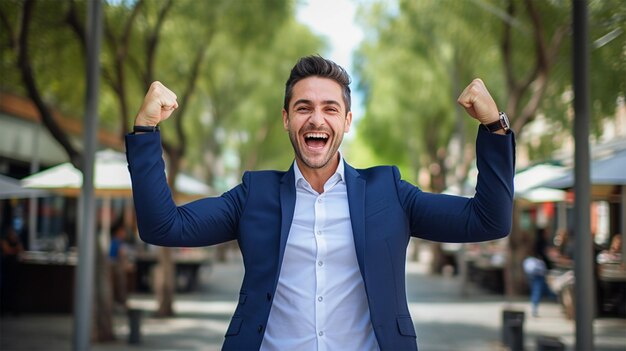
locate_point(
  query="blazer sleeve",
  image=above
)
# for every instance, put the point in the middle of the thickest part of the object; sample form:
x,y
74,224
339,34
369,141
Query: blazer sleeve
x,y
160,221
486,216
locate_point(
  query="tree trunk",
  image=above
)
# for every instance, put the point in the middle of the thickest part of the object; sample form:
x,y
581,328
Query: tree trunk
x,y
103,302
165,283
437,185
30,83
533,85
165,274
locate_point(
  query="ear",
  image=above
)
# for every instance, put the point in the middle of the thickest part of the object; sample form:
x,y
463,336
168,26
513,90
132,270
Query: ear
x,y
285,120
348,122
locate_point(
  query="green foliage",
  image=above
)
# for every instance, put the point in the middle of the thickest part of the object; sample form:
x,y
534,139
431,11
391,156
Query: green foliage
x,y
246,47
412,72
418,55
416,58
243,97
607,31
55,52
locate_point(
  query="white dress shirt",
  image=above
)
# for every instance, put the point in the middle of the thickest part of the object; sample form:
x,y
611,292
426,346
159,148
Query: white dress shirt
x,y
320,301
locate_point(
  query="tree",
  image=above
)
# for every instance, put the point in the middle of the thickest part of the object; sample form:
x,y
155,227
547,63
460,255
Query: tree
x,y
247,112
412,73
419,55
182,43
18,38
536,82
224,24
33,17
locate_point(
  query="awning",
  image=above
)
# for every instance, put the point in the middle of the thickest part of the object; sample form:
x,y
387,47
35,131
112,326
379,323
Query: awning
x,y
11,188
528,183
111,177
608,170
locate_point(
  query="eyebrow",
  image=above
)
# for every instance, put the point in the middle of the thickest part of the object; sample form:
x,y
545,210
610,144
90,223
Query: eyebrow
x,y
309,102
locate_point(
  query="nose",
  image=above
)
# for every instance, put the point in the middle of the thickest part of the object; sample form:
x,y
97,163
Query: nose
x,y
317,118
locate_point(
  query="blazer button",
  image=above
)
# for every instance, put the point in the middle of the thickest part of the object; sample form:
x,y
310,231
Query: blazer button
x,y
269,297
260,328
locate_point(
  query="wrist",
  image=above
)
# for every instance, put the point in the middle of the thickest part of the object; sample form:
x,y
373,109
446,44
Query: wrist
x,y
140,129
500,125
144,122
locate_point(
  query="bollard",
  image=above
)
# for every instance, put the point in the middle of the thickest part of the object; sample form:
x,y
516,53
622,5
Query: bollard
x,y
513,330
134,323
549,343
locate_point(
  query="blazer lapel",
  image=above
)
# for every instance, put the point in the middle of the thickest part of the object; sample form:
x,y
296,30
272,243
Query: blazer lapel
x,y
287,208
356,201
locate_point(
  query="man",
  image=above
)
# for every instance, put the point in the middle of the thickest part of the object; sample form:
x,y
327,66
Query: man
x,y
323,244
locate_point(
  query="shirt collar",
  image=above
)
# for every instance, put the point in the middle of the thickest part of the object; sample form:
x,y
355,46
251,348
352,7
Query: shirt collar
x,y
338,176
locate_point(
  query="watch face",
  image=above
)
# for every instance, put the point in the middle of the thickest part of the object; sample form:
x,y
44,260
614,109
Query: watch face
x,y
504,121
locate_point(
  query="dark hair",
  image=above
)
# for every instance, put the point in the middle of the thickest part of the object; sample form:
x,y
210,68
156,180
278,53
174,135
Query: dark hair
x,y
317,66
117,225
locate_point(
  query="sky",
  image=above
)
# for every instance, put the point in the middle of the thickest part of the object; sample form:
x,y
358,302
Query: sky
x,y
334,19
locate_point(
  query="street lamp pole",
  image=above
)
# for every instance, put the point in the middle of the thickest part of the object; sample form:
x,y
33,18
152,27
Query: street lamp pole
x,y
583,254
83,296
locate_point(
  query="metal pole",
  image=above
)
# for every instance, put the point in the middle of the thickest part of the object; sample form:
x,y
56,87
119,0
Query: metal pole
x,y
32,204
622,220
83,296
583,254
562,215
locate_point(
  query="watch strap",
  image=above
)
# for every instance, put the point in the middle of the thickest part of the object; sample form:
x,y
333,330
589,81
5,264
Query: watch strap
x,y
501,123
145,129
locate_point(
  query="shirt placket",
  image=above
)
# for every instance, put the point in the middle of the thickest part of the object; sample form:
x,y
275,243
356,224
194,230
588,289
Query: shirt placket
x,y
320,271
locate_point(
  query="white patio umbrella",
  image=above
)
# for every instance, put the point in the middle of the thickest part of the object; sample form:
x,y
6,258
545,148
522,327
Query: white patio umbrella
x,y
608,170
12,189
111,178
528,183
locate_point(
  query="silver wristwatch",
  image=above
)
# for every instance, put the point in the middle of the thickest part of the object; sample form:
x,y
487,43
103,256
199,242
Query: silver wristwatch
x,y
501,123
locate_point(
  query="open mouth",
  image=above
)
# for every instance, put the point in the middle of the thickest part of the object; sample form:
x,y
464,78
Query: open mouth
x,y
315,140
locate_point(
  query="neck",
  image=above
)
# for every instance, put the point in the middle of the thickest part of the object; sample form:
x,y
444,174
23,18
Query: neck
x,y
317,177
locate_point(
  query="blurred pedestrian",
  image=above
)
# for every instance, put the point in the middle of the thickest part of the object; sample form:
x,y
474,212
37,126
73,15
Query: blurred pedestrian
x,y
563,253
614,253
536,271
118,256
10,250
542,247
611,293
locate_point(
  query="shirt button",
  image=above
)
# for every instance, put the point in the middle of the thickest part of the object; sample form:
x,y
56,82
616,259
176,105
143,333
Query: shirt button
x,y
320,299
321,333
319,200
320,263
319,232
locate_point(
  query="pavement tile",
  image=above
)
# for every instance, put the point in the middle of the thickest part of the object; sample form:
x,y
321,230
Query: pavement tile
x,y
445,318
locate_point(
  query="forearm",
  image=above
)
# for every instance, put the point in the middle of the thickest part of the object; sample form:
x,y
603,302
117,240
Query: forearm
x,y
204,222
495,160
487,216
154,206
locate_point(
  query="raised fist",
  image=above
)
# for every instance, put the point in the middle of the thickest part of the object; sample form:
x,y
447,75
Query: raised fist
x,y
157,106
478,102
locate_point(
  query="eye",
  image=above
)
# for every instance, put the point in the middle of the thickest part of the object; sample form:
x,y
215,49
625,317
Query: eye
x,y
302,109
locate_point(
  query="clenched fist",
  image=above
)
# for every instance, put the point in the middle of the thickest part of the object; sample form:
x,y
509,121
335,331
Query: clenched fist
x,y
157,106
478,103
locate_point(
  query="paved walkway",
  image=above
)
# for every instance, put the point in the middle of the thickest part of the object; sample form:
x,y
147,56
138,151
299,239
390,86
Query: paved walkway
x,y
444,320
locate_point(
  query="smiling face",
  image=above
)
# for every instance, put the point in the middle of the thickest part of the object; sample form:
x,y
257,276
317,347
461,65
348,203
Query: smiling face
x,y
316,122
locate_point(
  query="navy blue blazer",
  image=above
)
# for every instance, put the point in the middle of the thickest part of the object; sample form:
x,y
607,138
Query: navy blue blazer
x,y
385,212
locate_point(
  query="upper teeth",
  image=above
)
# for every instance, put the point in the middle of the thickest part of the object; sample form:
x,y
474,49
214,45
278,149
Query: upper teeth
x,y
316,135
